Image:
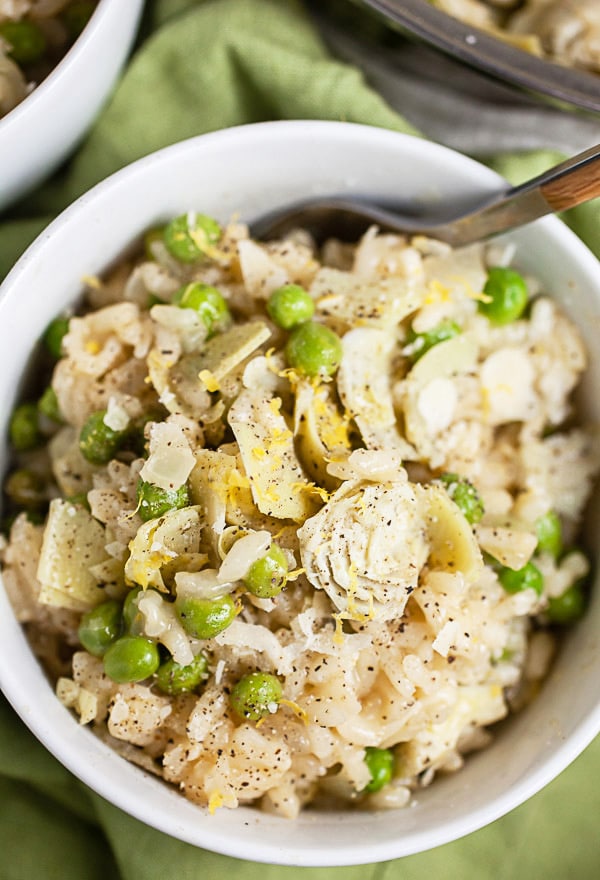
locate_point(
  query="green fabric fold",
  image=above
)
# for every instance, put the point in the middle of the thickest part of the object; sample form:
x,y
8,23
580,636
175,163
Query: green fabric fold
x,y
202,65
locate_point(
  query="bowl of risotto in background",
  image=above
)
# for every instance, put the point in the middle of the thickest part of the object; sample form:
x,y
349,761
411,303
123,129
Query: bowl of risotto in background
x,y
298,539
58,62
546,48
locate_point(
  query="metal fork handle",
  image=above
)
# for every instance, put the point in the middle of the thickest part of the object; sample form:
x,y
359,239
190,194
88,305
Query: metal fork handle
x,y
564,186
574,181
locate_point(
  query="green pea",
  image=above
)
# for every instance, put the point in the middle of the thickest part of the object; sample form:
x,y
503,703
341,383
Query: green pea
x,y
528,577
422,342
465,496
48,405
101,627
173,678
154,501
568,607
25,489
207,301
290,305
133,619
99,443
549,534
24,428
380,764
131,658
26,41
76,16
508,295
188,236
267,576
54,335
255,695
205,618
314,350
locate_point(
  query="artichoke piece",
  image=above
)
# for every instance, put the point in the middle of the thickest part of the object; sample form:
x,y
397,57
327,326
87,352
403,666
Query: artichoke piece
x,y
366,547
219,484
225,351
458,273
322,432
364,387
210,483
73,474
446,359
429,396
162,546
261,273
348,300
186,394
73,543
278,485
452,544
507,539
171,459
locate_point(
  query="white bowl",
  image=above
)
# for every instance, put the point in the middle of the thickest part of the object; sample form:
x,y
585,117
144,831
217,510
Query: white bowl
x,y
248,170
41,131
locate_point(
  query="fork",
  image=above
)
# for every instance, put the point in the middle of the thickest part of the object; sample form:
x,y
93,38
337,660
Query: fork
x,y
572,182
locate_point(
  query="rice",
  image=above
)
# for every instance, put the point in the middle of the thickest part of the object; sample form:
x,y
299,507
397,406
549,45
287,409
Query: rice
x,y
565,33
396,628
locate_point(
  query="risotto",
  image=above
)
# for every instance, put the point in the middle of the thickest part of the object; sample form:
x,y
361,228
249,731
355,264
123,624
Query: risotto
x,y
294,525
564,31
34,36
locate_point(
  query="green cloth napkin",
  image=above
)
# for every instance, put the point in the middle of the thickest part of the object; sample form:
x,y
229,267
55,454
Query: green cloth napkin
x,y
202,65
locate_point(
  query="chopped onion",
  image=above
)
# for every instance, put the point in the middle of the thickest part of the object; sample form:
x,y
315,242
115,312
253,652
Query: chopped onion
x,y
203,584
244,552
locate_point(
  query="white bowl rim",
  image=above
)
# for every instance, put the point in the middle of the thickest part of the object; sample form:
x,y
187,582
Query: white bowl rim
x,y
358,853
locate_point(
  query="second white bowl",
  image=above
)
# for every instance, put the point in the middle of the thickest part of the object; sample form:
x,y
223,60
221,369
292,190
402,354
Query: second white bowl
x,y
41,131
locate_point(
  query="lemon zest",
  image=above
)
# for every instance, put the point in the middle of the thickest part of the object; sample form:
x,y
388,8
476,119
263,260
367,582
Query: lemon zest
x,y
298,711
328,299
332,427
437,293
281,436
217,800
486,406
200,239
478,296
236,480
210,381
338,636
313,489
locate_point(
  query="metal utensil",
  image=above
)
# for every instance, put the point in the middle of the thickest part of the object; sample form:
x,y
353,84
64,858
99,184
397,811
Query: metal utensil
x,y
563,85
565,185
